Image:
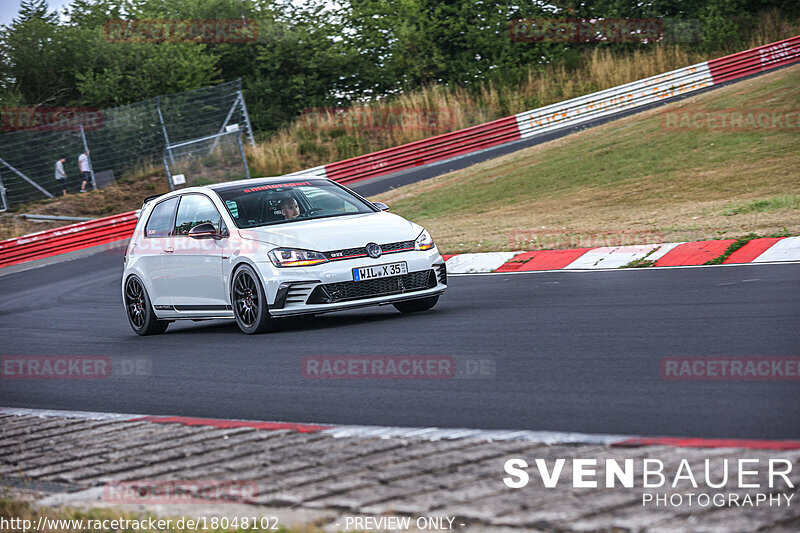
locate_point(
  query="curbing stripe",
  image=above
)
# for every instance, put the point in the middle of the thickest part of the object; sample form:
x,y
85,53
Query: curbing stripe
x,y
541,437
231,424
480,262
712,443
751,250
424,433
695,253
675,254
612,256
542,260
84,415
787,249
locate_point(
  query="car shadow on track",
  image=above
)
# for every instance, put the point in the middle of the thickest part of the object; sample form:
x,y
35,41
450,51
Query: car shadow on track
x,y
315,323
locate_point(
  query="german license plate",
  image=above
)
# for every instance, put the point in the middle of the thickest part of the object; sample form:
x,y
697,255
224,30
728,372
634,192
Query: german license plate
x,y
380,271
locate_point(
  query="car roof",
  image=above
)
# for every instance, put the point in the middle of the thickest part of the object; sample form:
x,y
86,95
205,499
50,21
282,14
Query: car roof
x,y
232,185
261,181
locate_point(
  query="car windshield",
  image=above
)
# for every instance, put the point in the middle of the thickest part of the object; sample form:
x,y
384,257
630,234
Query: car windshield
x,y
290,201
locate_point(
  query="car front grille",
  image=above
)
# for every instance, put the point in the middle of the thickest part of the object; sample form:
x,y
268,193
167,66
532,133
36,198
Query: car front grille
x,y
356,290
350,253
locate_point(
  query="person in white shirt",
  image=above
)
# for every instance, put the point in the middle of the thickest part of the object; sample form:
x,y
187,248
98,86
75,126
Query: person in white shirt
x,y
61,175
83,165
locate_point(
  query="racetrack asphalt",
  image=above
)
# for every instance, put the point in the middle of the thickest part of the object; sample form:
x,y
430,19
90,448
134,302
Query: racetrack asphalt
x,y
567,351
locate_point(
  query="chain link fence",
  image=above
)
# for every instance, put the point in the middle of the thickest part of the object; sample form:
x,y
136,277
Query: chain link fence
x,y
123,139
206,160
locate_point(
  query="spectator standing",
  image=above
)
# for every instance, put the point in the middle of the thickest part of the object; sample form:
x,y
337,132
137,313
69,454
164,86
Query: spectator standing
x,y
61,175
86,173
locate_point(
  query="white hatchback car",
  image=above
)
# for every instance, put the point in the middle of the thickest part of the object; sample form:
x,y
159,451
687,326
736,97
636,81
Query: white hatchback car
x,y
259,249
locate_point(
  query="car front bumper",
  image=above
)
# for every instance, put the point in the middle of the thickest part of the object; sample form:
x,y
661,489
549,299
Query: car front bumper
x,y
330,286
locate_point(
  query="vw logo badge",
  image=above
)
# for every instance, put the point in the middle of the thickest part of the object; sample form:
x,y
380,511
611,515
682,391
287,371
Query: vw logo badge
x,y
373,250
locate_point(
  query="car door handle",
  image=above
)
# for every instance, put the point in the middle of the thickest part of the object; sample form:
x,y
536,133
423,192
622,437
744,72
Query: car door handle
x,y
169,250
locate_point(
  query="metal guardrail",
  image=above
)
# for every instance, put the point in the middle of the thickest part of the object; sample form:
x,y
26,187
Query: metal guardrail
x,y
563,114
67,239
611,101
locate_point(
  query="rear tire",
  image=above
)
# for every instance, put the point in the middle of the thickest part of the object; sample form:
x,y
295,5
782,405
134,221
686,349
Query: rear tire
x,y
250,302
413,306
140,312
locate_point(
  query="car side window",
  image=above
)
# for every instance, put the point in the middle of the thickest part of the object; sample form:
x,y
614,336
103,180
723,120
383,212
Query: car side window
x,y
196,209
160,222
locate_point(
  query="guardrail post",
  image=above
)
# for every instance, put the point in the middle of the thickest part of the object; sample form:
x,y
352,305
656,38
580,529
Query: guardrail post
x,y
244,158
3,199
163,127
89,158
246,119
230,113
166,167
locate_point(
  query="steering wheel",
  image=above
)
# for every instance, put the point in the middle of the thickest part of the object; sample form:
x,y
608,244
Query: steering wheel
x,y
310,211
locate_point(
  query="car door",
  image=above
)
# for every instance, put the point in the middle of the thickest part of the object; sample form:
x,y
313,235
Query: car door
x,y
149,252
193,267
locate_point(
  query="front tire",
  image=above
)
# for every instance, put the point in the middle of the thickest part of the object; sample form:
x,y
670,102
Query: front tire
x,y
413,306
140,312
250,302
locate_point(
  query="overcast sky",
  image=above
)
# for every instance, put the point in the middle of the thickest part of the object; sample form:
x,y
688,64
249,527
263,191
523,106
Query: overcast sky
x,y
9,8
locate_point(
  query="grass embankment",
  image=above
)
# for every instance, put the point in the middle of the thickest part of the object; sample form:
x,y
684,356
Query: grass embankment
x,y
627,182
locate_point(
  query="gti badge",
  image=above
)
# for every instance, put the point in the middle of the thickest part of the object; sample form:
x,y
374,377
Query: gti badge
x,y
373,250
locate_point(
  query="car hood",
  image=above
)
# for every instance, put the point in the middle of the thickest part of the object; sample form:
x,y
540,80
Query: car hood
x,y
336,233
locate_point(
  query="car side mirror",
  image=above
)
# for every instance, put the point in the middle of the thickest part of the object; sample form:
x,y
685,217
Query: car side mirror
x,y
206,230
381,206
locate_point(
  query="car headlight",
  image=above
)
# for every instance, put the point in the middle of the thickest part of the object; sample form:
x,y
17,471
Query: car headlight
x,y
424,241
291,257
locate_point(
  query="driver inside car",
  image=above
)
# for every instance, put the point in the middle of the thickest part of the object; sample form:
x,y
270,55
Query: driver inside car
x,y
289,208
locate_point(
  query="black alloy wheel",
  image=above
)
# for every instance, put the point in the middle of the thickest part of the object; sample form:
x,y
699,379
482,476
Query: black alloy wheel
x,y
140,312
250,302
